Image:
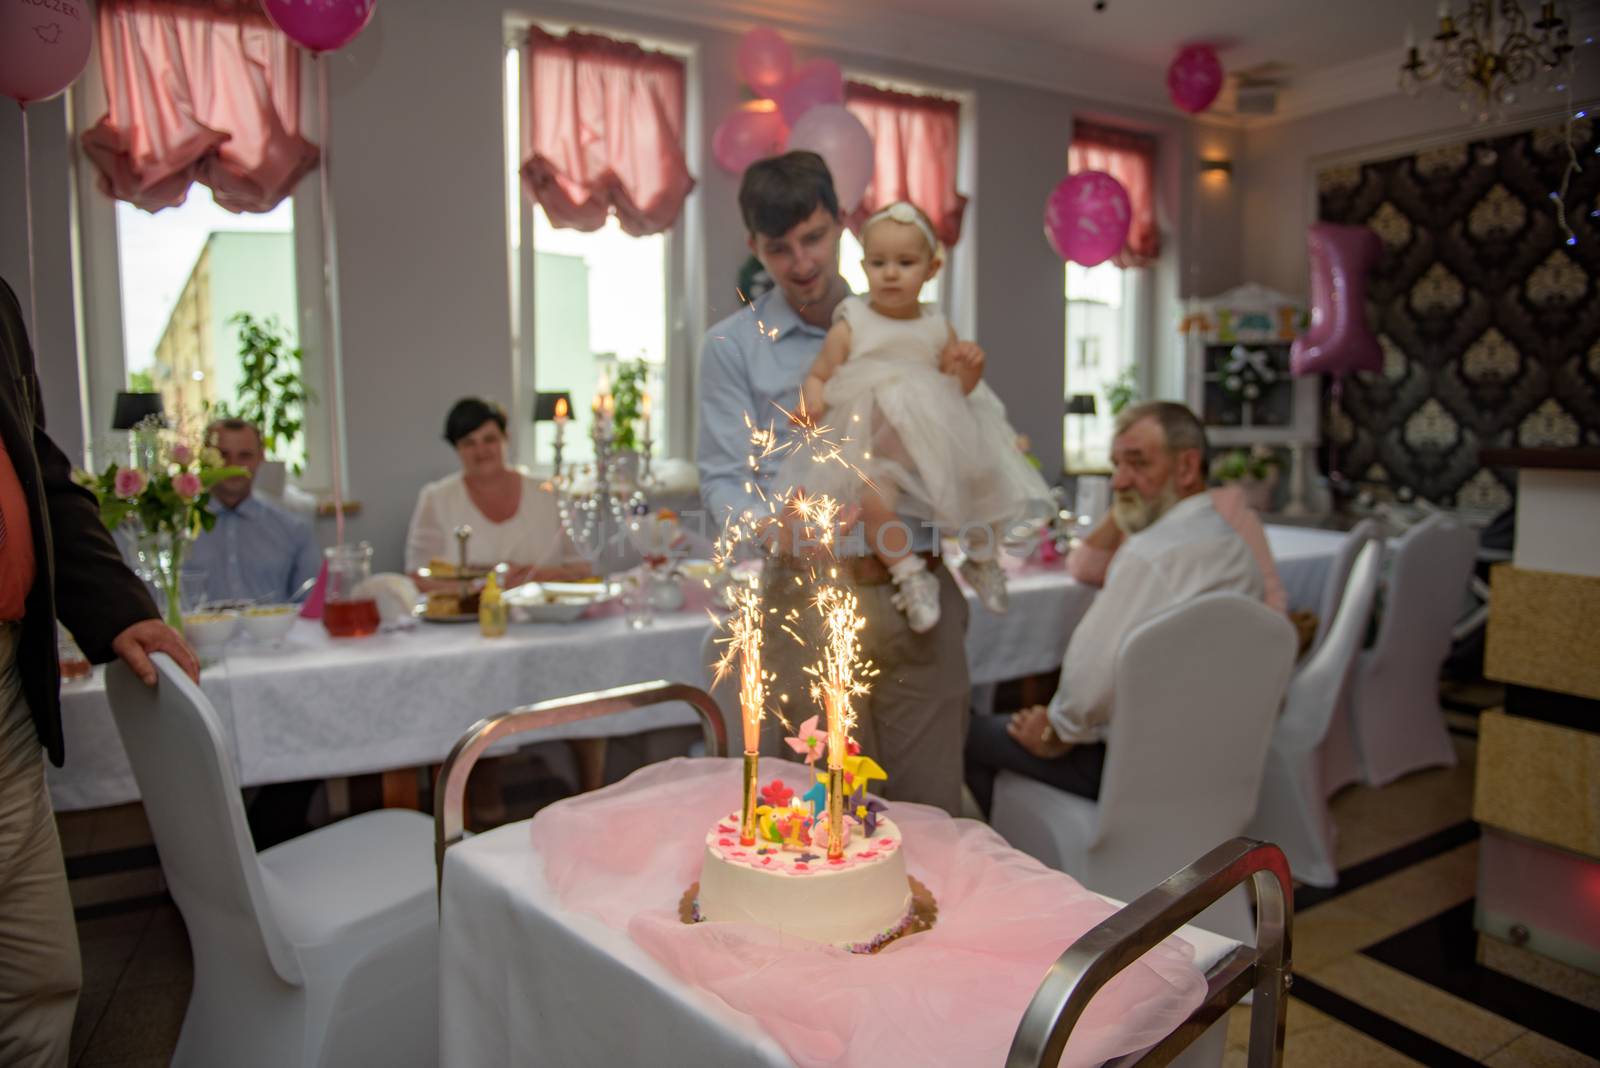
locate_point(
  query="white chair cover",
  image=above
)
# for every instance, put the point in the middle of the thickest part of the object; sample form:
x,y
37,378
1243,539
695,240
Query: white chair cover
x,y
1293,807
1399,726
320,951
1197,689
1341,765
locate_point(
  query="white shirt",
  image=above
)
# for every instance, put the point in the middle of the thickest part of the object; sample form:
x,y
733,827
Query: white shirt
x,y
532,536
1189,551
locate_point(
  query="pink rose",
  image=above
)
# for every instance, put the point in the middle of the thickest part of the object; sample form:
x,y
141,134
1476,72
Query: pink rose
x,y
131,482
182,455
186,485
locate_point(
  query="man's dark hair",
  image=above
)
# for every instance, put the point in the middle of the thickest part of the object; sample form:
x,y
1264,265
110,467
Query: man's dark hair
x,y
468,414
780,193
234,424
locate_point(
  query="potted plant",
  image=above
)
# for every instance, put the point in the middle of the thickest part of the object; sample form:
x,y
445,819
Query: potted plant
x,y
272,392
1123,391
1255,470
627,394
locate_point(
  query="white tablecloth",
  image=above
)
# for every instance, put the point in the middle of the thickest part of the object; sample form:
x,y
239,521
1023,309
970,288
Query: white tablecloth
x,y
318,707
1304,556
525,981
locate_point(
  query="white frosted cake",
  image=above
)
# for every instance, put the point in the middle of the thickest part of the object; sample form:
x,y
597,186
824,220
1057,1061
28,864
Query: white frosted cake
x,y
857,902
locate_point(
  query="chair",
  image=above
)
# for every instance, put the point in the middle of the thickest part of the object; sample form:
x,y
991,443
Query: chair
x,y
321,951
1292,810
1196,688
1341,766
1394,698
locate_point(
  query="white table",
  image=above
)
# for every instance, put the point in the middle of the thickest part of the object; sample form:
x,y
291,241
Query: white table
x,y
526,980
1303,556
320,708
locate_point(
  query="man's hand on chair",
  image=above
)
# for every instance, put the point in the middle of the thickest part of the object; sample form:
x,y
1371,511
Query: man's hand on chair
x,y
136,644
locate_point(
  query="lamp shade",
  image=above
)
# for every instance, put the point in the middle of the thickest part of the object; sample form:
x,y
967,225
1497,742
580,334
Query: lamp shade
x,y
544,405
133,407
1081,404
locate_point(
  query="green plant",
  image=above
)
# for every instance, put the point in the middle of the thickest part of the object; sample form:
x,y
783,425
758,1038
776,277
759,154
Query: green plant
x,y
141,382
1123,391
272,391
627,394
1238,464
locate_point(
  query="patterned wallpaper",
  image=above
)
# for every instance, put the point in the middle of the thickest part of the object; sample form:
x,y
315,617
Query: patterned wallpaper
x,y
1490,322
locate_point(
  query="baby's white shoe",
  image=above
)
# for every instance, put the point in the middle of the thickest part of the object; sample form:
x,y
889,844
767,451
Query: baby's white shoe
x,y
989,582
917,593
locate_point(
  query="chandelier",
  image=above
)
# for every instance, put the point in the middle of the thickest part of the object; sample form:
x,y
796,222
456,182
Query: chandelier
x,y
1487,52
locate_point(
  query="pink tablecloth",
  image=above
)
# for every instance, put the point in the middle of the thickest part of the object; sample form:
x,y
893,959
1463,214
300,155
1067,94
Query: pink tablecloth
x,y
953,995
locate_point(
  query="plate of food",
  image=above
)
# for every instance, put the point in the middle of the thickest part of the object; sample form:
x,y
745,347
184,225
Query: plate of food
x,y
448,606
555,602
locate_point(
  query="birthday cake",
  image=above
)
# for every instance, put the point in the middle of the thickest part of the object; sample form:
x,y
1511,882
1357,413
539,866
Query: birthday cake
x,y
857,901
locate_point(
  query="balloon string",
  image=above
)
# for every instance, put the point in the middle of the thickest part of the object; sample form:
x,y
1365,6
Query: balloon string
x,y
330,295
1335,393
27,212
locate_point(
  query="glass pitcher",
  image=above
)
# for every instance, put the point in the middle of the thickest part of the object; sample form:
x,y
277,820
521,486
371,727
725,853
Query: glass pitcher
x,y
344,614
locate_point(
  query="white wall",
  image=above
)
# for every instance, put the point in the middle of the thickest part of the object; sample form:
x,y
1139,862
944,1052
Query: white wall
x,y
417,174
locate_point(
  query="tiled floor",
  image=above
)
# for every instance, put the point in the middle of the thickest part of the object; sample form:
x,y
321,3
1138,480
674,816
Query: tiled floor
x,y
1387,969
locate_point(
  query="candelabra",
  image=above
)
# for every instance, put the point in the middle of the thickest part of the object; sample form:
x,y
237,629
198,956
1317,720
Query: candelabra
x,y
595,516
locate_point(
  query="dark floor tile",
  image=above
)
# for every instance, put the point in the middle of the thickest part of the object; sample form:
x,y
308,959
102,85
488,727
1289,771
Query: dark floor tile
x,y
162,956
1443,952
129,921
140,1022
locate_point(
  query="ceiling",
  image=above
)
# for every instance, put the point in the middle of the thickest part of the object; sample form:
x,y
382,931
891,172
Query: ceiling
x,y
1325,53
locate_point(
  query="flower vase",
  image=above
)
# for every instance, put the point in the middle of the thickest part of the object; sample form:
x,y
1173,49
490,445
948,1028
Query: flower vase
x,y
161,565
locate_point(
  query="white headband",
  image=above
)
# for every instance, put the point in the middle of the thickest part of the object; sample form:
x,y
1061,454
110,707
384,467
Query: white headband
x,y
902,212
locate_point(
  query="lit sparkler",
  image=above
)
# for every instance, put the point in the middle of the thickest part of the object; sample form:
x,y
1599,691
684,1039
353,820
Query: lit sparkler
x,y
837,679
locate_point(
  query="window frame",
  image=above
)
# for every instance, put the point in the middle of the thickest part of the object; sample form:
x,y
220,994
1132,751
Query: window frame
x,y
102,348
1138,299
683,253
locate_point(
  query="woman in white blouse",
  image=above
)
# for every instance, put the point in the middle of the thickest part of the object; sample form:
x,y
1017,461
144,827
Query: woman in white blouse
x,y
513,516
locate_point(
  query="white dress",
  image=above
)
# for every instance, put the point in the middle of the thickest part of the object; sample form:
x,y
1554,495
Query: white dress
x,y
532,536
897,419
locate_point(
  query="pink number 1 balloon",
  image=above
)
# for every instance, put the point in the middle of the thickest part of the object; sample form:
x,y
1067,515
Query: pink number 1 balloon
x,y
1338,340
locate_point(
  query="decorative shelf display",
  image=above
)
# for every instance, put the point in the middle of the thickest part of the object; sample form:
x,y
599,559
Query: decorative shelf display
x,y
1237,368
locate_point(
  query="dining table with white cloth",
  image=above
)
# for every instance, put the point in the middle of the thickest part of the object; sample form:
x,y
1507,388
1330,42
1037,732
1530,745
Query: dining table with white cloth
x,y
553,952
318,707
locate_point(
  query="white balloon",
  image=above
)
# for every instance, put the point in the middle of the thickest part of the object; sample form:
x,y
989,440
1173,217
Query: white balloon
x,y
838,137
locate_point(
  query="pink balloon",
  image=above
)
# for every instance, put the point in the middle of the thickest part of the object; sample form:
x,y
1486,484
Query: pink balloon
x,y
43,47
320,25
764,61
838,137
1086,218
1338,340
817,82
1195,78
752,131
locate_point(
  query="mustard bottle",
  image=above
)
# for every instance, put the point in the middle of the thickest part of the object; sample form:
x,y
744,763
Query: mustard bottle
x,y
491,610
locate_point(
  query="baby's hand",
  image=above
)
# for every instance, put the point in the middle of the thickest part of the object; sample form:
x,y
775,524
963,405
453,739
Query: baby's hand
x,y
965,360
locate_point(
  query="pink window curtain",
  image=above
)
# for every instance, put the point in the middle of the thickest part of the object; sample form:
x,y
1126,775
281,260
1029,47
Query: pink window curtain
x,y
1130,158
197,91
605,133
916,141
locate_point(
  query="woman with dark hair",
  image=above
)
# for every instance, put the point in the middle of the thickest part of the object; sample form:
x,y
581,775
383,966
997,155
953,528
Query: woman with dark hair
x,y
513,516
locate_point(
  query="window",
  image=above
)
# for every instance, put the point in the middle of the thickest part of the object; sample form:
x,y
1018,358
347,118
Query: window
x,y
184,273
158,287
583,302
1104,313
1108,305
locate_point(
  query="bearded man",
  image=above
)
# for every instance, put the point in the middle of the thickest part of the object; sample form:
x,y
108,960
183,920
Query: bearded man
x,y
1176,548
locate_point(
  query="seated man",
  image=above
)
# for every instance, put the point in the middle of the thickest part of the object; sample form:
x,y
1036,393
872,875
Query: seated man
x,y
1177,547
257,551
